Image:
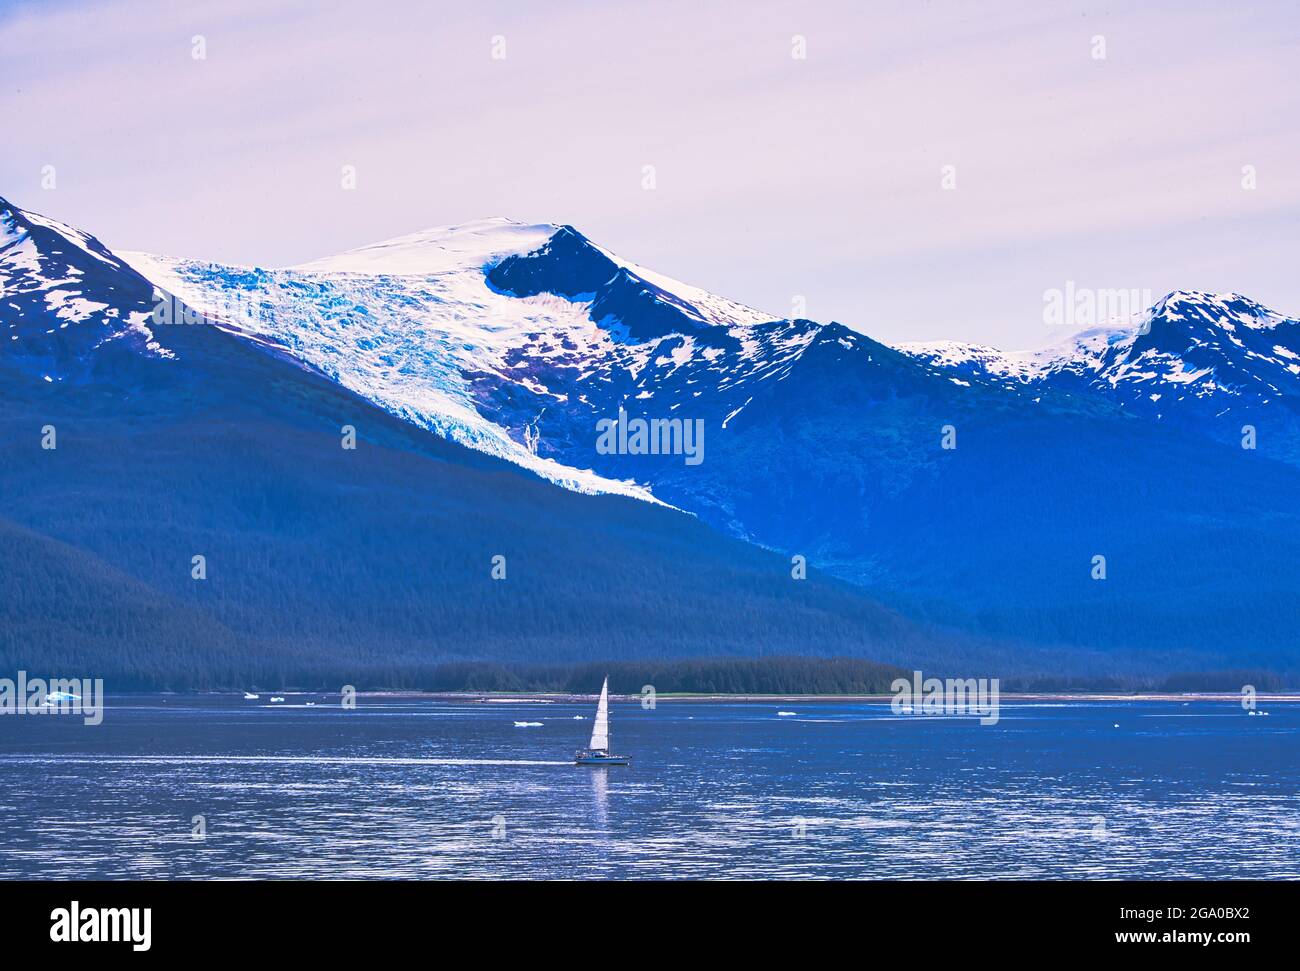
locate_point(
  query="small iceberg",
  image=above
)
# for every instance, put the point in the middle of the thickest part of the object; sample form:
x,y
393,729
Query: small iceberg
x,y
528,724
786,714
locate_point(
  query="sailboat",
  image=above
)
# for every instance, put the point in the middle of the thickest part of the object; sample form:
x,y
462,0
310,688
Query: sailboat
x,y
597,753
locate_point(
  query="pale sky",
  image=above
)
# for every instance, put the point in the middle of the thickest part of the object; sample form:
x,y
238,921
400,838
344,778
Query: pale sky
x,y
775,176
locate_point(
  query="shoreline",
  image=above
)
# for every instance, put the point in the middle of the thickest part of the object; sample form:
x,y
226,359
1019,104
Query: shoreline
x,y
490,697
553,697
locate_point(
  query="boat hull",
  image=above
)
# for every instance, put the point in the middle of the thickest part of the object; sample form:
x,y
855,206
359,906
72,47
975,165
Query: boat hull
x,y
601,760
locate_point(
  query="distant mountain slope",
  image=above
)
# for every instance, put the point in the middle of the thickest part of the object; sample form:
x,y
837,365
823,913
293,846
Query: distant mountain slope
x,y
1208,363
820,441
324,565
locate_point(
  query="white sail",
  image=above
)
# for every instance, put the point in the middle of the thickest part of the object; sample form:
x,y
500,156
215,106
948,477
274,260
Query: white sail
x,y
600,731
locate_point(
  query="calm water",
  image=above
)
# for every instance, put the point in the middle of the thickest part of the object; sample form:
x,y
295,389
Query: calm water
x,y
417,788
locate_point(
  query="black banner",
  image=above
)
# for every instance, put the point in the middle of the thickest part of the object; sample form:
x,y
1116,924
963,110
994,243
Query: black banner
x,y
346,919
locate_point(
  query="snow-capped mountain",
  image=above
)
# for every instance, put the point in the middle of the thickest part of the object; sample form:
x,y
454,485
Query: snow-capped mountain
x,y
1213,362
495,334
963,486
54,278
517,339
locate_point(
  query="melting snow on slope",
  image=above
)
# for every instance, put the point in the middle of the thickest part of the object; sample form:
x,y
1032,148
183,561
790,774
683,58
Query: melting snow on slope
x,y
403,340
